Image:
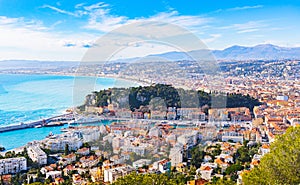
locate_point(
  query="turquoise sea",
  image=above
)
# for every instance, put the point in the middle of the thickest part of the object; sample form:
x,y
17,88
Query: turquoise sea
x,y
26,98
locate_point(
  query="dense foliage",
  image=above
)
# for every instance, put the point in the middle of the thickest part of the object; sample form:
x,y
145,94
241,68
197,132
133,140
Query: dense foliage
x,y
282,164
136,97
197,154
153,179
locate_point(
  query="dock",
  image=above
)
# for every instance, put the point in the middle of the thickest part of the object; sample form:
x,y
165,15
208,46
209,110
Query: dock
x,y
36,123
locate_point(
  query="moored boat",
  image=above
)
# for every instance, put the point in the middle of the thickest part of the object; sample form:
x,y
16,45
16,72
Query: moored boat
x,y
54,124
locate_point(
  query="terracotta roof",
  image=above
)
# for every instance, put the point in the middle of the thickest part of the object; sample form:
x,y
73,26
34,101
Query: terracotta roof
x,y
264,146
206,168
255,162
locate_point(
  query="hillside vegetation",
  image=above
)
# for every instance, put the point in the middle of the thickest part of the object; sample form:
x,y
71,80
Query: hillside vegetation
x,y
136,97
282,164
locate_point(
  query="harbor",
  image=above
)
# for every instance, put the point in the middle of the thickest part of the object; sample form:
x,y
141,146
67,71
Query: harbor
x,y
52,121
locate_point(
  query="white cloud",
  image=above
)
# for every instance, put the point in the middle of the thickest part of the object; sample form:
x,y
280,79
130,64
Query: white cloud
x,y
100,5
100,17
60,10
101,20
250,26
212,38
31,40
79,5
248,30
245,8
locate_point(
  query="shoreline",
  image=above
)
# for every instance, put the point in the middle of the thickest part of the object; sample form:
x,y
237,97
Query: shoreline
x,y
30,123
116,77
74,75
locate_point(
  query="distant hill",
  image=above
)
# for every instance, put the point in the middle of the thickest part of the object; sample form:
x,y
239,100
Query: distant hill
x,y
263,51
258,52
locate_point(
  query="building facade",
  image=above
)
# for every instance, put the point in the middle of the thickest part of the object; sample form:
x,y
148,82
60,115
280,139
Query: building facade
x,y
13,165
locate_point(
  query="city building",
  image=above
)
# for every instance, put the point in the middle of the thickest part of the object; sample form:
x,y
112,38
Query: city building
x,y
36,154
111,175
13,165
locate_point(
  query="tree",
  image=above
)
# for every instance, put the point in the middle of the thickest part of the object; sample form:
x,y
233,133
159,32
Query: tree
x,y
152,179
37,183
86,145
282,164
233,169
197,156
243,155
218,181
49,180
67,149
30,180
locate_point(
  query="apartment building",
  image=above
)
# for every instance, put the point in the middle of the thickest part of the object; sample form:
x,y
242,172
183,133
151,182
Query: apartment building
x,y
36,154
13,165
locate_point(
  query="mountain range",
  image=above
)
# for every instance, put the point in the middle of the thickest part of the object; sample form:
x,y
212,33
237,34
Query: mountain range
x,y
258,52
233,53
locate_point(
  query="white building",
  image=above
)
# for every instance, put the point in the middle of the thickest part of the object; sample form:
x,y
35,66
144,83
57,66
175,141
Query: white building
x,y
190,139
139,150
53,174
176,154
205,172
90,135
67,159
88,162
234,136
13,165
83,151
155,132
117,142
36,154
264,149
111,175
59,143
163,165
282,97
140,163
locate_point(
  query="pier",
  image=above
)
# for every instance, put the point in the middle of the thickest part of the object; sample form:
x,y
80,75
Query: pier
x,y
42,122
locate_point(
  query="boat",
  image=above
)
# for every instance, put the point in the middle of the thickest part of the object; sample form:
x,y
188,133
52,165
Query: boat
x,y
54,124
64,129
38,126
84,120
50,135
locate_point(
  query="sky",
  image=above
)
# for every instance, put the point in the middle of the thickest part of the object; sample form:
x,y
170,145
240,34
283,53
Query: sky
x,y
63,30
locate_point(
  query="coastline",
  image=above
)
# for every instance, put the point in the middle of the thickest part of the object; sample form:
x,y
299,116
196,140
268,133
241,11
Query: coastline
x,y
116,77
42,134
27,124
30,124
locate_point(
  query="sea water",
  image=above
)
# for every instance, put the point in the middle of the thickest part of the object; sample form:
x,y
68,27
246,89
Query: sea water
x,y
25,98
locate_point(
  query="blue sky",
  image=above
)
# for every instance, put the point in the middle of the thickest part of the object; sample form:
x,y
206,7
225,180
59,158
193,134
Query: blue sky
x,y
64,30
